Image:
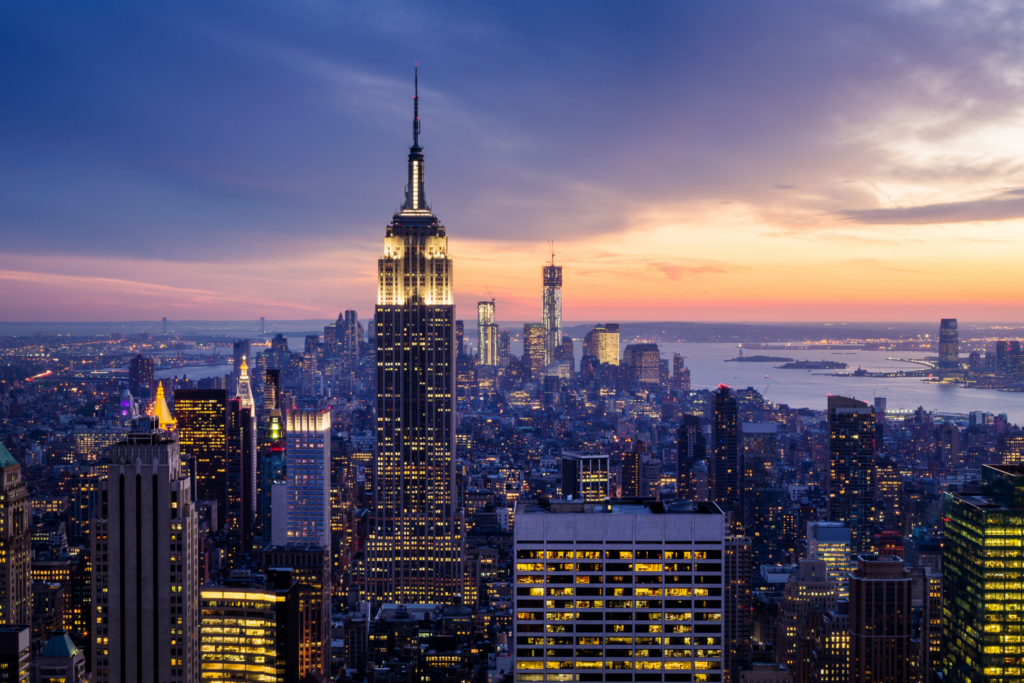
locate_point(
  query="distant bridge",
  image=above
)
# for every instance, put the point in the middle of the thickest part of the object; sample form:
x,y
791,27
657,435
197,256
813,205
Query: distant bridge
x,y
166,326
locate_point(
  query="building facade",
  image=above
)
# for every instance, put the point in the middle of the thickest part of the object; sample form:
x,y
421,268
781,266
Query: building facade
x,y
880,623
851,486
585,476
551,310
15,544
145,589
487,333
609,591
981,626
414,546
949,344
301,504
202,417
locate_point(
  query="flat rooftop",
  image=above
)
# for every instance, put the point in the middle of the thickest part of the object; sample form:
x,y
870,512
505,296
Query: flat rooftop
x,y
617,507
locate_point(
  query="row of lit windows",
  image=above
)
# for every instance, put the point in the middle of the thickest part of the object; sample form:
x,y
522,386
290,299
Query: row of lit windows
x,y
522,554
619,665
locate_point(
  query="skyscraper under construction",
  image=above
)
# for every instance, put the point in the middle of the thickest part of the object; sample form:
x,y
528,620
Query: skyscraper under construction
x,y
414,540
551,313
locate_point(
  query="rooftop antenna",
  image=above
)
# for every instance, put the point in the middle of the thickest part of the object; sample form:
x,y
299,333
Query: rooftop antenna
x,y
416,107
551,243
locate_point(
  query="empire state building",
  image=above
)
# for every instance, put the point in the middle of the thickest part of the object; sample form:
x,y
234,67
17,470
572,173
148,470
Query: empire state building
x,y
414,548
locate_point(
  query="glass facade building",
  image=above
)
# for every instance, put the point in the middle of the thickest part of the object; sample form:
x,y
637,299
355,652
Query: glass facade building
x,y
983,622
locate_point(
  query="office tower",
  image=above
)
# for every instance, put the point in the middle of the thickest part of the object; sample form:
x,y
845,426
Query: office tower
x,y
830,652
242,469
15,652
888,496
949,344
926,622
487,333
738,605
981,627
61,661
602,342
534,349
880,648
145,589
301,505
680,373
726,472
241,350
15,544
238,629
271,390
606,591
311,365
852,469
140,375
761,500
809,593
949,445
349,340
551,309
636,482
643,362
309,566
585,476
692,448
272,473
504,348
414,544
460,337
1010,447
831,542
202,416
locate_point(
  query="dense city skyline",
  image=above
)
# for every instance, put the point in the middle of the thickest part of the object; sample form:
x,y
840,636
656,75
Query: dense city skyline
x,y
802,162
302,488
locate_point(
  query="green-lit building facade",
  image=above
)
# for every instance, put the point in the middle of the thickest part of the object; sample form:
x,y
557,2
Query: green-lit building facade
x,y
983,580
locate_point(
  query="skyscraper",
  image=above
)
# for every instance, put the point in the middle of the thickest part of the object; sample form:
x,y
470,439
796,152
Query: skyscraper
x,y
301,505
414,542
242,469
949,344
551,310
140,375
852,469
534,349
727,470
145,592
692,449
15,544
880,625
602,342
981,626
830,541
202,416
487,333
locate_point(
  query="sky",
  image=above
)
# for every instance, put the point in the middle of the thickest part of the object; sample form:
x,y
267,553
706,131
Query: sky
x,y
755,161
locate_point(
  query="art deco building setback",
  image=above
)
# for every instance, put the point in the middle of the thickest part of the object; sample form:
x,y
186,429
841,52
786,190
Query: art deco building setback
x,y
145,593
414,548
618,591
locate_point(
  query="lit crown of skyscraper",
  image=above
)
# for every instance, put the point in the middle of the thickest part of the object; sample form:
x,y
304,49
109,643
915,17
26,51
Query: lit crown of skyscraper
x,y
415,266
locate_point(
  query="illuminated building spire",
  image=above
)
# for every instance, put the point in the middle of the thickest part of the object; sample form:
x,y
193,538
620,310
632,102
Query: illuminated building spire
x,y
160,410
244,390
415,199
